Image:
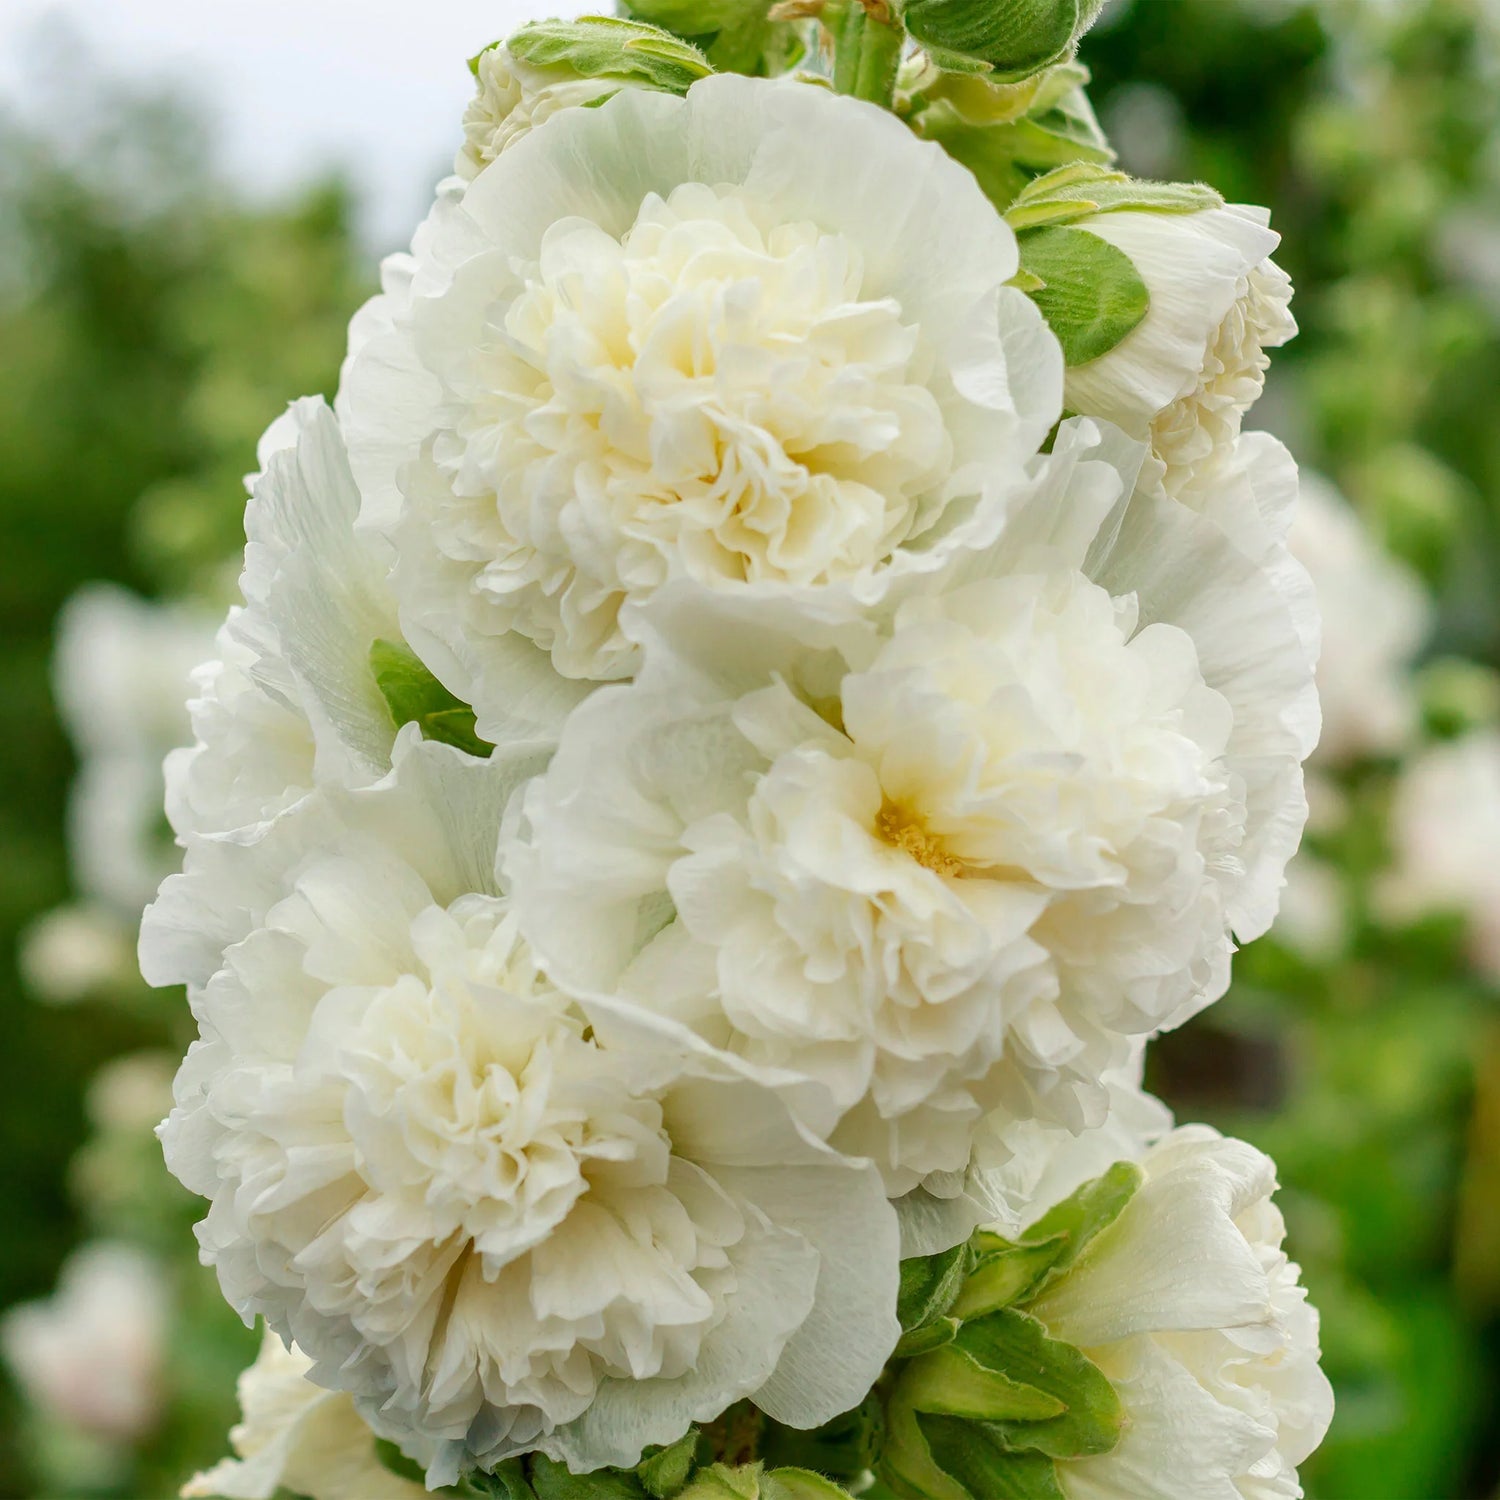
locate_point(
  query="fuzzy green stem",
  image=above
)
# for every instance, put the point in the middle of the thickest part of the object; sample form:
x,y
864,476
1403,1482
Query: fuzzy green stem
x,y
867,39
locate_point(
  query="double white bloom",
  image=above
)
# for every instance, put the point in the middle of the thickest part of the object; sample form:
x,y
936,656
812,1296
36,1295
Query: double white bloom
x,y
948,854
554,1100
714,355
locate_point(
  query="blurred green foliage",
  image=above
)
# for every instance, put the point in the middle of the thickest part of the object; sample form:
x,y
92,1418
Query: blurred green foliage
x,y
150,327
1373,131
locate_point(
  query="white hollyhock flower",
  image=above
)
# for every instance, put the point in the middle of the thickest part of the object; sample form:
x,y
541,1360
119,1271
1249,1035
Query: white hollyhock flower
x,y
1444,828
948,857
1185,376
663,339
289,689
121,679
425,1168
1376,617
290,698
91,1355
1190,1307
297,1436
513,97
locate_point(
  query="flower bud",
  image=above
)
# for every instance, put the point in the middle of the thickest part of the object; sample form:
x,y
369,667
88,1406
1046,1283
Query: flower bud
x,y
1015,38
1187,373
555,65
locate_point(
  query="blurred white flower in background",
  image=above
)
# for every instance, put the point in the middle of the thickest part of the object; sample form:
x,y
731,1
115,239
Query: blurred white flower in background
x,y
91,1356
74,951
1376,616
1444,833
120,677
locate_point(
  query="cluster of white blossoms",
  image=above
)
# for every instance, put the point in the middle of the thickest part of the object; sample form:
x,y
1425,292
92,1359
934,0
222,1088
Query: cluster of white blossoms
x,y
712,785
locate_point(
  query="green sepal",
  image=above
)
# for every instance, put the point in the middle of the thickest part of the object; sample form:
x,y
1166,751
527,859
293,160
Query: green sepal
x,y
929,1285
552,1481
1006,134
396,1462
926,1338
986,1415
755,1482
1092,295
1015,37
664,1473
1081,189
1014,1344
608,47
414,696
1007,1272
983,1467
951,1382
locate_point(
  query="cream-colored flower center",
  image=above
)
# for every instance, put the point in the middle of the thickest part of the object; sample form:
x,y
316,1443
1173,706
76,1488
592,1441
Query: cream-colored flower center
x,y
706,394
906,831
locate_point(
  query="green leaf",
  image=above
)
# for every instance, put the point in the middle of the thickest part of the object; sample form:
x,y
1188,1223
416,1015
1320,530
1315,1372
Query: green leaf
x,y
508,1482
1016,1345
414,696
552,1481
665,1472
1015,37
1092,295
608,47
393,1459
984,1467
1081,190
929,1285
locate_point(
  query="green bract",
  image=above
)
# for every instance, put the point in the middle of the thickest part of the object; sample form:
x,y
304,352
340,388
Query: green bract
x,y
1015,38
1081,190
984,1416
552,1481
415,696
1005,133
664,1473
1090,292
1006,1272
757,1483
983,1412
607,47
